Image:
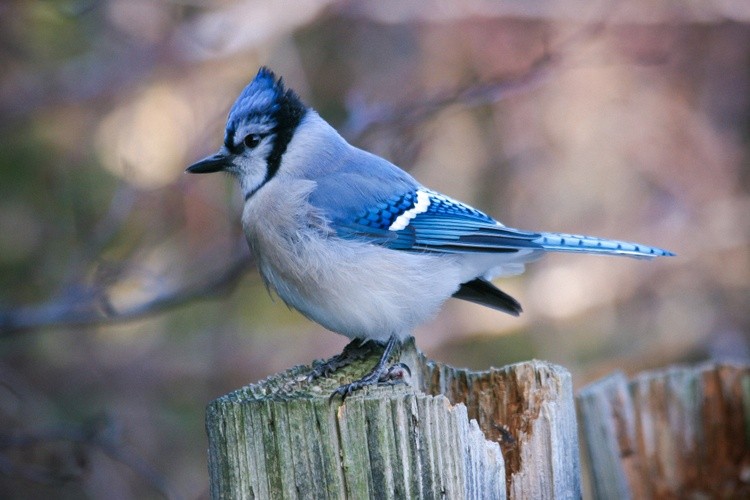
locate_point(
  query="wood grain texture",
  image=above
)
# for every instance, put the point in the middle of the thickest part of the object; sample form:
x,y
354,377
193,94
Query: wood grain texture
x,y
681,432
439,436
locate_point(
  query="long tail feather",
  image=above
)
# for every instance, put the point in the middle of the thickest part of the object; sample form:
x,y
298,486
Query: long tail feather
x,y
561,242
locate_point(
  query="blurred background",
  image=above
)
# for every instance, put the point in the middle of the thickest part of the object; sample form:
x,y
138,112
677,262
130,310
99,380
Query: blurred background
x,y
128,298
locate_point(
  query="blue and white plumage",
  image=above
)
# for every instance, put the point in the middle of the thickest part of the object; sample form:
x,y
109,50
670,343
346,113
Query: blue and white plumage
x,y
354,242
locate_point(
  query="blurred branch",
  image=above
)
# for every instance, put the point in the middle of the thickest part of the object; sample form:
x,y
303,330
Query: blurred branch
x,y
99,433
94,308
121,206
363,118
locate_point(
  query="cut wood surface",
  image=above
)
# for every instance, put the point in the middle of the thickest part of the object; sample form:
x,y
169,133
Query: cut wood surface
x,y
681,432
448,433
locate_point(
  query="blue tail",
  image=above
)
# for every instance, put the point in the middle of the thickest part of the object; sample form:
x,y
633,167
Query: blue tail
x,y
561,242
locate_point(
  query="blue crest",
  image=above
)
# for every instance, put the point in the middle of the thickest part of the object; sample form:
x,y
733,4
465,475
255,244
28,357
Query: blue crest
x,y
265,100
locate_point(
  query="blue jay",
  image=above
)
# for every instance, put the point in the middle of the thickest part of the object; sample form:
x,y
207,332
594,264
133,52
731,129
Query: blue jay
x,y
355,243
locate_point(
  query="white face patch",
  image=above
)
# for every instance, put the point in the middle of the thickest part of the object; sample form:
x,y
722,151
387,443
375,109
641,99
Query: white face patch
x,y
421,206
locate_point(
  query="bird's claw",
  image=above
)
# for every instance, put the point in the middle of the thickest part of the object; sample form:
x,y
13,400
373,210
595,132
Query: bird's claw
x,y
322,369
394,374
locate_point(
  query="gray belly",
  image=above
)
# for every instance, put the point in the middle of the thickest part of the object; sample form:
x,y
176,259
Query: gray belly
x,y
361,290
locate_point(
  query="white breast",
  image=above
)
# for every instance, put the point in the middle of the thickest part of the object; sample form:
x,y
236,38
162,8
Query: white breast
x,y
354,288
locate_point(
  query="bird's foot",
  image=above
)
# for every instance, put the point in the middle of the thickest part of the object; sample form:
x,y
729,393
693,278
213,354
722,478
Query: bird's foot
x,y
394,374
382,373
354,351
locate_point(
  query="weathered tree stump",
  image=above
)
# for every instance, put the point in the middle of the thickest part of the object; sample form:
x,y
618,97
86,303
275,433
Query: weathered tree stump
x,y
508,432
682,432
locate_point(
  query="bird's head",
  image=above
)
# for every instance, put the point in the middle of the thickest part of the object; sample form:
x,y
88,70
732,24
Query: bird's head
x,y
260,125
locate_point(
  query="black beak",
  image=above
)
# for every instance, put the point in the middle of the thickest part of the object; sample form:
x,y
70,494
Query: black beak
x,y
213,163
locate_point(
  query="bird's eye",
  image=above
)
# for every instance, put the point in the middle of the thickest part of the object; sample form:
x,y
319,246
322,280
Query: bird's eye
x,y
251,140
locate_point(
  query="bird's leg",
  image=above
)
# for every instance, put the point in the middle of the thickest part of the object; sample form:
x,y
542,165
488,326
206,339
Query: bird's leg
x,y
382,372
354,350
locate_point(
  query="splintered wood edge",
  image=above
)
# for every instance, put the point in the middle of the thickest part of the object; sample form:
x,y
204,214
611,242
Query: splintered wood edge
x,y
532,402
526,408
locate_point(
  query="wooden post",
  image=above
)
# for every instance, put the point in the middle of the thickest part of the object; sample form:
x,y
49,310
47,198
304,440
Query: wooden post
x,y
682,432
449,433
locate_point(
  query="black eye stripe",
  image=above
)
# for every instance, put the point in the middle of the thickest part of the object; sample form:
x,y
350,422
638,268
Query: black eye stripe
x,y
287,116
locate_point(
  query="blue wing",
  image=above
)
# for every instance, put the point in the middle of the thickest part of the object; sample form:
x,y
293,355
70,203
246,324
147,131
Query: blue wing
x,y
426,221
